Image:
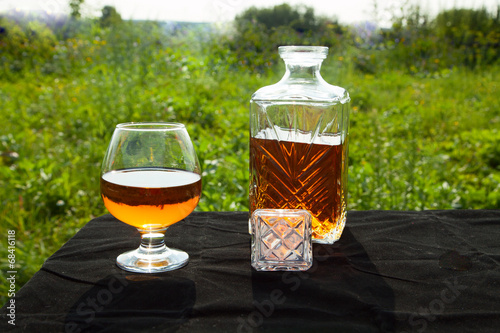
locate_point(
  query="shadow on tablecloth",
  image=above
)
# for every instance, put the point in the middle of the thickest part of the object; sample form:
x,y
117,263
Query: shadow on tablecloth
x,y
151,302
322,298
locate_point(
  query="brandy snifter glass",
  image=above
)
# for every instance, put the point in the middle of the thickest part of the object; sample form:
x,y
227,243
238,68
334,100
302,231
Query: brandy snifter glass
x,y
151,179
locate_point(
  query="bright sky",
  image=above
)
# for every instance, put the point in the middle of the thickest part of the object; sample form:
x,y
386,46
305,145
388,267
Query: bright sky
x,y
347,11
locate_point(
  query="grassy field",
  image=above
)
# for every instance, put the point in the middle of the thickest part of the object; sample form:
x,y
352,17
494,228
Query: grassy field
x,y
417,140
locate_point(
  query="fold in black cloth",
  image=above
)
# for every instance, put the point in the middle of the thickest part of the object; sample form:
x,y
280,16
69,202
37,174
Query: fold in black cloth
x,y
430,271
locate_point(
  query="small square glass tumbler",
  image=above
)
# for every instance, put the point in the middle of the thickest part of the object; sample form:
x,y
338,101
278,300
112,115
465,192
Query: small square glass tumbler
x,y
281,240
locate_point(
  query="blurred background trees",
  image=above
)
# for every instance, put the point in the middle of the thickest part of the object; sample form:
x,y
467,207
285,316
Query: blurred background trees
x,y
415,41
75,8
110,17
261,30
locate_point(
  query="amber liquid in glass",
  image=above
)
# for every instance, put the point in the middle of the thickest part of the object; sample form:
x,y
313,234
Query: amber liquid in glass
x,y
150,198
296,175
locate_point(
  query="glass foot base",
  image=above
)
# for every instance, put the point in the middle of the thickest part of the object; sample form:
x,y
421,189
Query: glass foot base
x,y
140,261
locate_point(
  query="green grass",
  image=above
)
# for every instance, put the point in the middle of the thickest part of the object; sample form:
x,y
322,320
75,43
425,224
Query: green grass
x,y
425,143
416,141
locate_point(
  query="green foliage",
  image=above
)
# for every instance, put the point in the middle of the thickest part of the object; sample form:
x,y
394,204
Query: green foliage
x,y
24,48
278,16
75,6
260,32
110,17
475,34
433,143
456,37
463,26
416,43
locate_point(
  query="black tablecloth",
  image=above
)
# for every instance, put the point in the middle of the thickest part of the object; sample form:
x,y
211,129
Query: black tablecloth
x,y
431,271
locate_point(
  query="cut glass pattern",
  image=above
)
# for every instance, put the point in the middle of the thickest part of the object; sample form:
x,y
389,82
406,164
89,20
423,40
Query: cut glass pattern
x,y
281,239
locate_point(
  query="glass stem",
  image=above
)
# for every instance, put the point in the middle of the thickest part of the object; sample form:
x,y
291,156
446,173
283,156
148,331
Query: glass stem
x,y
152,241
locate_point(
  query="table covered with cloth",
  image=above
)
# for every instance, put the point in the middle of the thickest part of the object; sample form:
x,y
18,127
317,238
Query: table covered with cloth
x,y
391,271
